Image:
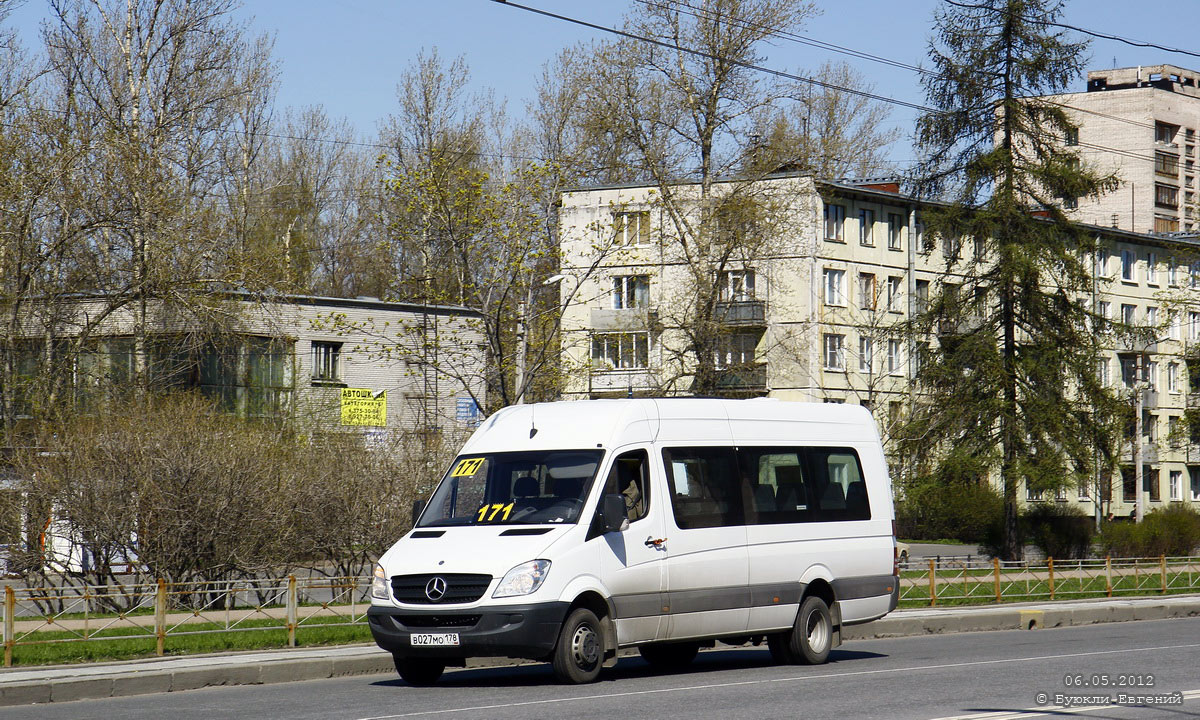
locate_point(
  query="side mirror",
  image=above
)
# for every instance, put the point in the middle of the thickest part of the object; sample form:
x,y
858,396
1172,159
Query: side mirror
x,y
612,511
418,508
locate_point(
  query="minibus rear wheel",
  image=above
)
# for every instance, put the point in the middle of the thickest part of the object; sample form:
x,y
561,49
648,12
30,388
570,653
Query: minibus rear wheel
x,y
418,672
579,653
810,639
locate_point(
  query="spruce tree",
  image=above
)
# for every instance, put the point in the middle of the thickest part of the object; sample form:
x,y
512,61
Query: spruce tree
x,y
1009,383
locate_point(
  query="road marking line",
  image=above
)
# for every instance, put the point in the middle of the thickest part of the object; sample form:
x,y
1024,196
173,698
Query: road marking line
x,y
1046,710
853,673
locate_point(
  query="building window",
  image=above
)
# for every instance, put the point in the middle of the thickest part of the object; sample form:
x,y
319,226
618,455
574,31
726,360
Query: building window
x,y
1165,132
631,291
1194,325
736,349
1165,225
866,291
1102,262
1072,136
631,228
866,227
893,293
1166,196
620,351
1176,485
919,231
1128,371
737,285
922,296
1104,315
1172,272
866,351
835,352
952,246
326,361
1103,373
1128,262
895,225
1127,313
1166,164
1152,316
1152,375
1152,269
1173,377
1194,473
1070,202
894,360
1150,484
835,221
835,287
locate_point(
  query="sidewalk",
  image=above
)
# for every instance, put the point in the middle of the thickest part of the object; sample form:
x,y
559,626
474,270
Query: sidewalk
x,y
62,683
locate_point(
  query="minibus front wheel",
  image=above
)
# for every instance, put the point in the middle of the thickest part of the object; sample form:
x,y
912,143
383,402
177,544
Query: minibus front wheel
x,y
810,639
418,672
579,653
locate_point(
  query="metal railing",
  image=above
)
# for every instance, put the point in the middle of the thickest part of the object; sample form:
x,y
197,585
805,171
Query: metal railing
x,y
48,615
998,581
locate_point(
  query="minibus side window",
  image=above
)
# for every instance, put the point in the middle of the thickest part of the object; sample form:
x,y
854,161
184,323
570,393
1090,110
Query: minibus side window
x,y
778,487
706,490
839,489
630,478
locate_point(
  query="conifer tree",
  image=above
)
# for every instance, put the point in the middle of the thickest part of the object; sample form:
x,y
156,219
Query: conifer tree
x,y
1010,380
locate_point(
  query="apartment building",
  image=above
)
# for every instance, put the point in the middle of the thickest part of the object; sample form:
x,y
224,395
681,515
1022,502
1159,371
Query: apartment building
x,y
817,316
1140,123
332,364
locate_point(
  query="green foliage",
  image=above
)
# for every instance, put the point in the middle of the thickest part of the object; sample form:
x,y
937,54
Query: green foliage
x,y
1172,531
1059,531
935,510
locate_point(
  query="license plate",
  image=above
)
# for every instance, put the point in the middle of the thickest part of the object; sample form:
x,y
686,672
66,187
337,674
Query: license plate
x,y
435,639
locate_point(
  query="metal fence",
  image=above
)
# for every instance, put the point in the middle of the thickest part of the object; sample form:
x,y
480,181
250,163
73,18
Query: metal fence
x,y
39,616
998,581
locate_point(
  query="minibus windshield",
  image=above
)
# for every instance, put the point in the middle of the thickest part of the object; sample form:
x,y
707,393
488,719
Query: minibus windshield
x,y
514,488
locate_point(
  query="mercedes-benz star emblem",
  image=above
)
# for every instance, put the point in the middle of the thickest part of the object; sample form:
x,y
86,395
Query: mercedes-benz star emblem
x,y
435,588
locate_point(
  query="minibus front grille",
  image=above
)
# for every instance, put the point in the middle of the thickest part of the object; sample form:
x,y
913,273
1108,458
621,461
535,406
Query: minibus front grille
x,y
422,590
440,621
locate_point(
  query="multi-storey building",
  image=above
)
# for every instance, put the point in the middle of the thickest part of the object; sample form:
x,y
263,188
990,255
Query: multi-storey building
x,y
1140,123
819,315
333,364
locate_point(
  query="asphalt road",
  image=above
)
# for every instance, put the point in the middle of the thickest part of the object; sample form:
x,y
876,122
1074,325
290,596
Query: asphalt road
x,y
975,675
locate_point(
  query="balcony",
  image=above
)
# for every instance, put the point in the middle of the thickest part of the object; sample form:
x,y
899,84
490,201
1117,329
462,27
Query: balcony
x,y
748,378
741,313
1149,453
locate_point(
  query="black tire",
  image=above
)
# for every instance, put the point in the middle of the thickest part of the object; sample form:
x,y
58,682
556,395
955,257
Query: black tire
x,y
579,653
418,672
810,639
671,656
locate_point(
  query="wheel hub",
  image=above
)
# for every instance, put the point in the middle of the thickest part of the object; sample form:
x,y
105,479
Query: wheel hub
x,y
585,646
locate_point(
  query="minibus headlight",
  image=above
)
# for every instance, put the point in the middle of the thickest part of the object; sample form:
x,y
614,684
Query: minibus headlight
x,y
379,585
523,579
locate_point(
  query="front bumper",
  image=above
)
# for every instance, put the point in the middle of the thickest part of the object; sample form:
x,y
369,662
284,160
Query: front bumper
x,y
520,631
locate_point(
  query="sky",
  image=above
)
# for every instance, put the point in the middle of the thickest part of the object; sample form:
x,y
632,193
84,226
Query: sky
x,y
347,55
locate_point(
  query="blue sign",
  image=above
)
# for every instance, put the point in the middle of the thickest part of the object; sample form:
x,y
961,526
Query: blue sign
x,y
467,411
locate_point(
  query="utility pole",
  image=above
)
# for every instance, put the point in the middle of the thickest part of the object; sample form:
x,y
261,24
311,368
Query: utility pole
x,y
1137,439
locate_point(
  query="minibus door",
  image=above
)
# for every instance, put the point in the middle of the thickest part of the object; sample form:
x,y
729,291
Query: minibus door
x,y
631,564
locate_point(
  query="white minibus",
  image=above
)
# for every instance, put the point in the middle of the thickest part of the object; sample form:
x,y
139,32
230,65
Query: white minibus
x,y
565,531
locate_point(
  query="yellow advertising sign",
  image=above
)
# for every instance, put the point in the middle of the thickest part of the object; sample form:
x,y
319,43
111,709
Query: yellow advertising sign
x,y
361,406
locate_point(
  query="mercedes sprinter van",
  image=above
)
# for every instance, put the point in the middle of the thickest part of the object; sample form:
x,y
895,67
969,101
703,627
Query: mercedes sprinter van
x,y
564,531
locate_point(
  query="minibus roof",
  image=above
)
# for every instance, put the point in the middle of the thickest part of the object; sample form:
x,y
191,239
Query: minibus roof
x,y
615,423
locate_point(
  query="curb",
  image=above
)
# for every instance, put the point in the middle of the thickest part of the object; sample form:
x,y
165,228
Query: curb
x,y
140,677
1028,616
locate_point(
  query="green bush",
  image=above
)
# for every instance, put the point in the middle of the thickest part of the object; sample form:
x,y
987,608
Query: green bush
x,y
931,510
1173,530
1059,531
